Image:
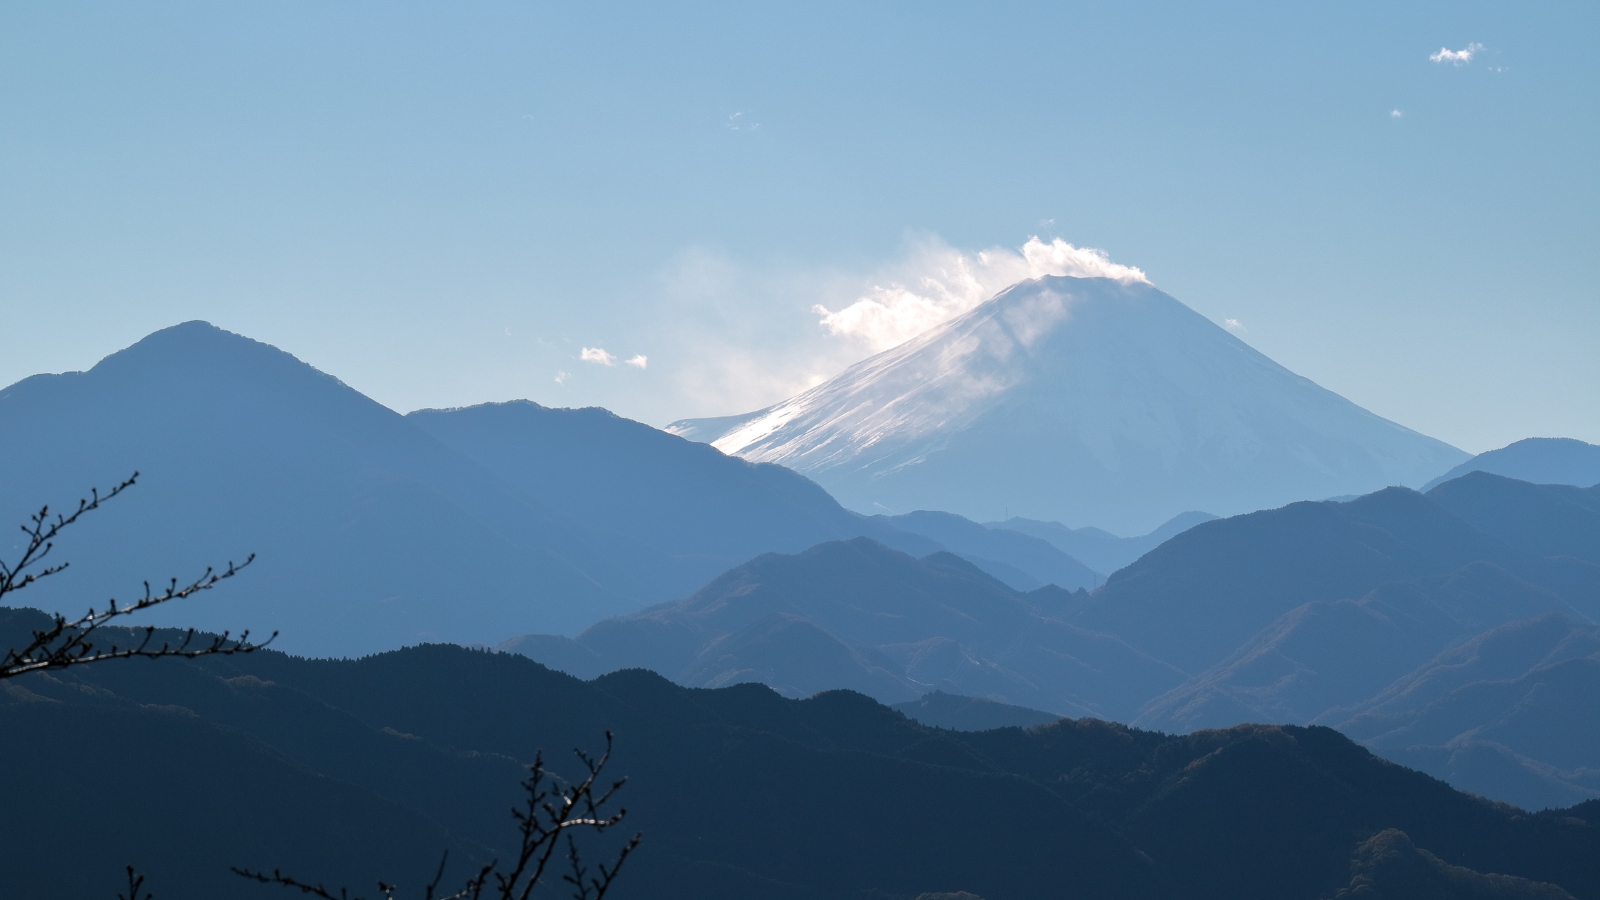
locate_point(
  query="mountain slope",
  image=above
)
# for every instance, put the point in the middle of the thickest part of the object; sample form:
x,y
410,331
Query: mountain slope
x,y
1328,656
738,792
370,533
1080,400
858,614
707,511
1040,561
1536,460
1097,548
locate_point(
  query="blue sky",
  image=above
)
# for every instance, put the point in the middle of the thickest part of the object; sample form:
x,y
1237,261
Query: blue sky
x,y
447,203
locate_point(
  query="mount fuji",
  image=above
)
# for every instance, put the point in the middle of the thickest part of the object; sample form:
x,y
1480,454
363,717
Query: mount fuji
x,y
1084,400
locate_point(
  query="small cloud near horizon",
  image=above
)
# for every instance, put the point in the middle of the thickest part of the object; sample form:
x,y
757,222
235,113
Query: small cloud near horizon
x,y
1235,326
561,377
597,355
1456,57
639,361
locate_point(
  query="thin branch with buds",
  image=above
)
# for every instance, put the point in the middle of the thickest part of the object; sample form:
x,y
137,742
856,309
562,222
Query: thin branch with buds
x,y
547,819
68,643
135,883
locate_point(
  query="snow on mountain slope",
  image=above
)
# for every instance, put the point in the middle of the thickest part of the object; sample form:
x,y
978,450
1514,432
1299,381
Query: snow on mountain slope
x,y
1087,400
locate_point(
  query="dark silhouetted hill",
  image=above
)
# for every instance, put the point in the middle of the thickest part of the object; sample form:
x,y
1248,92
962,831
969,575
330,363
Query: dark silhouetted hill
x,y
1388,865
351,770
1536,460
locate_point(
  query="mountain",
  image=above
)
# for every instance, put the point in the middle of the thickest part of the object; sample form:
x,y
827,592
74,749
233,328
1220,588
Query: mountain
x,y
1021,560
940,710
345,771
370,534
1306,614
1079,400
374,530
1322,658
1544,519
1499,714
707,511
1389,865
1099,549
860,615
1536,460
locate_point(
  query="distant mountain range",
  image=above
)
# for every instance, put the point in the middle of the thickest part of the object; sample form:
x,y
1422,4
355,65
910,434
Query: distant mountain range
x,y
1308,613
1538,460
342,772
1100,549
376,530
1082,401
859,615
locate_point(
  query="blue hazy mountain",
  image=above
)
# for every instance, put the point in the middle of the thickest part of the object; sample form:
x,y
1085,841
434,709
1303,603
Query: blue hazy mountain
x,y
1504,714
940,710
1021,560
369,533
1537,460
1543,519
1078,400
707,511
1320,660
374,530
860,615
1100,549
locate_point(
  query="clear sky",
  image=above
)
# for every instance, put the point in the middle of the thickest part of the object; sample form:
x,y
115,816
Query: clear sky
x,y
448,203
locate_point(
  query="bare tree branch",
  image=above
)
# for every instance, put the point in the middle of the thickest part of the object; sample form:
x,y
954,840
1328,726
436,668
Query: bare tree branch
x,y
67,643
545,820
135,882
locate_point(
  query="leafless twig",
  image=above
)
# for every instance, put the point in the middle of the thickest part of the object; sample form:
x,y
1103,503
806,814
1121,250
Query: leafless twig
x,y
135,882
67,643
546,819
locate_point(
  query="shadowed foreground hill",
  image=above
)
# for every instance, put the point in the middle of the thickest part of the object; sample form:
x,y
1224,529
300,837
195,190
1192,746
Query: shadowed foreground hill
x,y
740,793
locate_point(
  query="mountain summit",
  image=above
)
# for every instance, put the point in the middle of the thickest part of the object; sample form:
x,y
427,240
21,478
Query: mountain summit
x,y
1083,400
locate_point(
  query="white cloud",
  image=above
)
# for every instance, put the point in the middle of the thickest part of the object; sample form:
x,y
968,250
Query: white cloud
x,y
1396,114
561,377
639,361
596,355
939,283
1235,326
1455,57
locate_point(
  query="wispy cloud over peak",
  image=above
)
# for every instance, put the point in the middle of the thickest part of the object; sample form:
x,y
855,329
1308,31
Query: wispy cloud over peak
x,y
597,355
1235,326
1456,57
942,283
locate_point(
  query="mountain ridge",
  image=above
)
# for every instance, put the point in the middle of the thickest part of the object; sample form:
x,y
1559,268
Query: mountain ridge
x,y
1080,400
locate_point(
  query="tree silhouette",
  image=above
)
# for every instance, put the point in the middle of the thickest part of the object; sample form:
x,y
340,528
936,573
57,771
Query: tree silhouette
x,y
548,818
71,642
